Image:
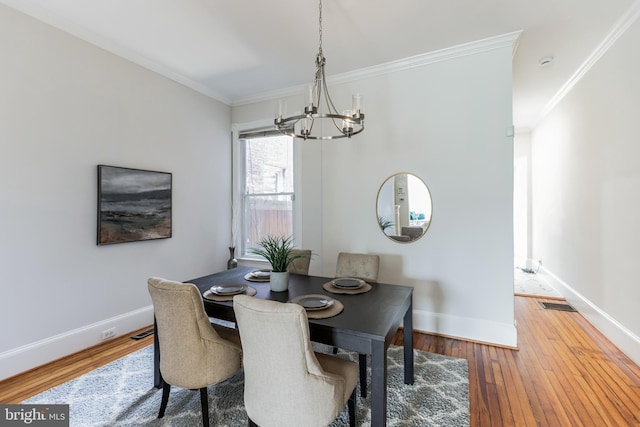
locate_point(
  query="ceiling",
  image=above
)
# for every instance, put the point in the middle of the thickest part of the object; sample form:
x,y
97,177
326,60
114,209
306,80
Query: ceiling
x,y
237,50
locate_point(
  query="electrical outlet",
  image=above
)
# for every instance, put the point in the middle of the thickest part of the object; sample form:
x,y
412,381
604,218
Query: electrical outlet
x,y
108,333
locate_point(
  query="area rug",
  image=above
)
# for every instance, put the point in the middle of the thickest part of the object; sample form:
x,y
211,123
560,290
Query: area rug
x,y
121,394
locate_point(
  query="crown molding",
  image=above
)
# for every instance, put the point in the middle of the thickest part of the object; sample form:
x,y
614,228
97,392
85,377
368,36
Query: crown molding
x,y
55,20
458,51
37,12
618,29
446,54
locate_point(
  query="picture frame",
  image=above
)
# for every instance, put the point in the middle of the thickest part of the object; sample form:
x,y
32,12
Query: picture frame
x,y
133,205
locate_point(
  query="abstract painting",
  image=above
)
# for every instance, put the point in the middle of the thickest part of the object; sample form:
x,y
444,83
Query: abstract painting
x,y
133,205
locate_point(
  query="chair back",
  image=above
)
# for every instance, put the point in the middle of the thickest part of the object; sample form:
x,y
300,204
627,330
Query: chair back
x,y
192,354
285,384
361,266
300,265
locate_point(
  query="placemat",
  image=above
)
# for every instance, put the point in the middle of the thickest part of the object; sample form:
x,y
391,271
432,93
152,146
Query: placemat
x,y
335,309
335,290
251,291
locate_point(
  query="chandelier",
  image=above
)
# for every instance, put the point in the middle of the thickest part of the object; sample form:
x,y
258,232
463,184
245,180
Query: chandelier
x,y
347,124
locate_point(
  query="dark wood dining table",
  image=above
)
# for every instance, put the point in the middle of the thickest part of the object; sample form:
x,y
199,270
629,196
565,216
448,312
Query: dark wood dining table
x,y
367,324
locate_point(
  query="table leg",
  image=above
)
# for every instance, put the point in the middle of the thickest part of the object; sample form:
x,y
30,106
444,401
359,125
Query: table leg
x,y
408,344
362,363
378,384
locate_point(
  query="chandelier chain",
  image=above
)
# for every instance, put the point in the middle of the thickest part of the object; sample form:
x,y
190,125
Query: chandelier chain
x,y
320,26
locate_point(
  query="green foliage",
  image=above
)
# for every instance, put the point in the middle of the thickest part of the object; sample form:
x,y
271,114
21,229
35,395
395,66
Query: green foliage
x,y
276,250
384,223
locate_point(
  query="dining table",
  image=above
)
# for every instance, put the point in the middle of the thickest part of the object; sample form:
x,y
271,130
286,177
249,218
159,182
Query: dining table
x,y
366,325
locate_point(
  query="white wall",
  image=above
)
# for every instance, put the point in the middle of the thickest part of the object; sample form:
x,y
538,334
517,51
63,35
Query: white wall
x,y
522,240
65,107
446,123
586,193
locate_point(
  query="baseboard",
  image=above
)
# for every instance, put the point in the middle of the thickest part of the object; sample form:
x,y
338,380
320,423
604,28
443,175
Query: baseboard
x,y
624,339
32,355
465,328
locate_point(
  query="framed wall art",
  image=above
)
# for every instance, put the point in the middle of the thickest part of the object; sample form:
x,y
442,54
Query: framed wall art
x,y
133,205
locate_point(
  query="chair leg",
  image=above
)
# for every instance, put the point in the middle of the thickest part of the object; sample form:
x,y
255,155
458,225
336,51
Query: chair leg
x,y
362,362
166,389
204,402
352,409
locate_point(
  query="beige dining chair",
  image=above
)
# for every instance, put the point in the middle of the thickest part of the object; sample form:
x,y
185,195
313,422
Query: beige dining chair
x,y
300,265
193,354
287,384
365,267
361,266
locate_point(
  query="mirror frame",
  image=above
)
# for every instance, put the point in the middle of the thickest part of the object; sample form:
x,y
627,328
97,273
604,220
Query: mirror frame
x,y
388,179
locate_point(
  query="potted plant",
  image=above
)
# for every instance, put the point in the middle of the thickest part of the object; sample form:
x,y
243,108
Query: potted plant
x,y
384,223
278,252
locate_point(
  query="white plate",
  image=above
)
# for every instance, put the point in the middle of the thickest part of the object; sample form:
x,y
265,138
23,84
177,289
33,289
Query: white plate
x,y
261,274
229,289
313,302
348,283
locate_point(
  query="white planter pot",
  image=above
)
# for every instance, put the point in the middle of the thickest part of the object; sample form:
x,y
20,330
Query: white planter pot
x,y
279,281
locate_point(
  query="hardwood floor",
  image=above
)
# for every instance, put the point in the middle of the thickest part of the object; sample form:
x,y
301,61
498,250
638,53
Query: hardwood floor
x,y
21,387
565,373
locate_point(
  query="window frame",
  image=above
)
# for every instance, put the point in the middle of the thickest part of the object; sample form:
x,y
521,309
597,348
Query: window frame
x,y
238,221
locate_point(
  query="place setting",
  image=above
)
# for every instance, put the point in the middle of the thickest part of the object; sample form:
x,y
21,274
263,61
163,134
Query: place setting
x,y
258,276
347,285
226,291
318,306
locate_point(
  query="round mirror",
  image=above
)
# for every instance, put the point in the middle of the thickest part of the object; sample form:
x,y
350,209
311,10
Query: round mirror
x,y
403,208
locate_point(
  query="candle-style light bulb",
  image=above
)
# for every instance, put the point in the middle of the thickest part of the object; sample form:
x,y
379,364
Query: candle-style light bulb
x,y
281,109
304,127
356,101
308,98
347,125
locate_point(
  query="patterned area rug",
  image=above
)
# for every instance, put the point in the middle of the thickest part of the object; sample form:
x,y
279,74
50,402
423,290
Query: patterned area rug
x,y
120,394
533,284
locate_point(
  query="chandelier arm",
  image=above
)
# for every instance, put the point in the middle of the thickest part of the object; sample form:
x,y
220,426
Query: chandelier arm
x,y
335,115
332,109
323,138
316,116
339,128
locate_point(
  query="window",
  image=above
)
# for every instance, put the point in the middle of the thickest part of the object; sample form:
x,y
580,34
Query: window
x,y
265,178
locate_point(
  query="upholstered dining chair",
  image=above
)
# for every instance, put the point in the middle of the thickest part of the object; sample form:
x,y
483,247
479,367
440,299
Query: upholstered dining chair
x,y
361,266
365,267
287,384
193,354
300,265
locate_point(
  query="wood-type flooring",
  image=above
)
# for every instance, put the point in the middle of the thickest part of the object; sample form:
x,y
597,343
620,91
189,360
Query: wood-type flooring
x,y
564,373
